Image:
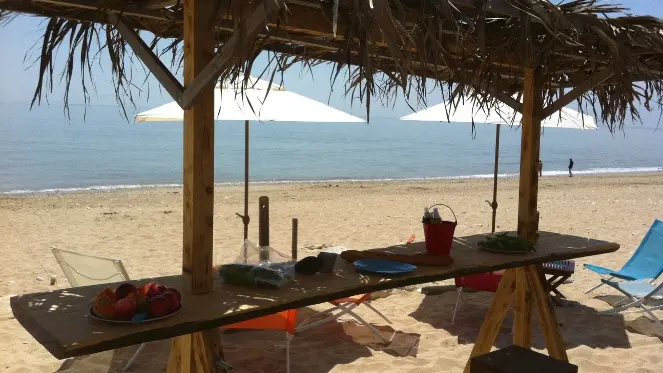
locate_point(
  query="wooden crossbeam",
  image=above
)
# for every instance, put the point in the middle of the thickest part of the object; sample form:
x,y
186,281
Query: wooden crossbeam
x,y
129,10
579,90
151,61
251,28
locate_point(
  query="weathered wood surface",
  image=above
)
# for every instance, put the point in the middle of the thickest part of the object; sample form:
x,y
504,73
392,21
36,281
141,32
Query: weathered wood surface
x,y
58,319
198,189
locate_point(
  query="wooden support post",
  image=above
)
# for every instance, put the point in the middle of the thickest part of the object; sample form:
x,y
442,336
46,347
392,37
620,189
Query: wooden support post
x,y
198,153
522,305
495,316
263,227
529,156
295,228
198,352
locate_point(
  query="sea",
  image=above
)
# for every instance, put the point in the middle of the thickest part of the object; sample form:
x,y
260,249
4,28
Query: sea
x,y
42,151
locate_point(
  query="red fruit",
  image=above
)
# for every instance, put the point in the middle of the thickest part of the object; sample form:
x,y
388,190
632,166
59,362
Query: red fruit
x,y
124,290
103,303
125,309
173,300
177,293
159,306
155,289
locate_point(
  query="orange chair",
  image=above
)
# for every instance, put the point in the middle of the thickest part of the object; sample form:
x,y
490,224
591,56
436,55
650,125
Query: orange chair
x,y
346,306
285,320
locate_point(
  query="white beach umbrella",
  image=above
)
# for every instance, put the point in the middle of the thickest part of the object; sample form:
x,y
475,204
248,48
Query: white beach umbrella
x,y
255,103
501,114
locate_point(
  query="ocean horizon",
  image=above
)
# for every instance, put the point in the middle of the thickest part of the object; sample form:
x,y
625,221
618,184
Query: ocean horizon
x,y
44,152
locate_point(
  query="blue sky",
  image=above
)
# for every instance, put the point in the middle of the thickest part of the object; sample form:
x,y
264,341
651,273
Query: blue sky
x,y
19,78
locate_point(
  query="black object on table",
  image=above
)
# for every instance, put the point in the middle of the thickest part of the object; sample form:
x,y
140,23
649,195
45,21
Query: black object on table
x,y
516,359
556,273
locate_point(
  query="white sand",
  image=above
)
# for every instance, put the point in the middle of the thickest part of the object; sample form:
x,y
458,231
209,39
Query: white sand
x,y
143,228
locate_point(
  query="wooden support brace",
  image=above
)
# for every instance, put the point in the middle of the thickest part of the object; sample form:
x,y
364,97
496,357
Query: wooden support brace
x,y
576,92
151,61
252,27
548,320
495,316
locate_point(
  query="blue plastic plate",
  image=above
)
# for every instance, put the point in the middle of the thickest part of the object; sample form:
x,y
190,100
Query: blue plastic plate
x,y
383,267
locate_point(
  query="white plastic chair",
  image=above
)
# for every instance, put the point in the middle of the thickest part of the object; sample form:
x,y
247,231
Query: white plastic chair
x,y
84,270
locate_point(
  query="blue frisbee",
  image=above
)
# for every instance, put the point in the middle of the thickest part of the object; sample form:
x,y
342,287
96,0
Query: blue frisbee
x,y
383,267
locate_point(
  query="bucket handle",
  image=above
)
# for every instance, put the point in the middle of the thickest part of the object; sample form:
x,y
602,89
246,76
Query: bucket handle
x,y
450,209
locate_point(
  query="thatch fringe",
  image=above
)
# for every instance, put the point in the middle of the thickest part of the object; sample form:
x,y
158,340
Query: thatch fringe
x,y
462,51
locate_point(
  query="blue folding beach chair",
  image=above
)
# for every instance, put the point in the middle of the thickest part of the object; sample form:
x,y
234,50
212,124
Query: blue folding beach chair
x,y
638,293
645,264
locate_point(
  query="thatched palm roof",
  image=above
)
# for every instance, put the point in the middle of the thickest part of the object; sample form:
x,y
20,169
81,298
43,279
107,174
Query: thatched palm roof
x,y
389,47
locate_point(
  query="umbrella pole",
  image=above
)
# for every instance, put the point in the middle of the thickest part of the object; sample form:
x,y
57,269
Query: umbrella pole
x,y
497,166
245,219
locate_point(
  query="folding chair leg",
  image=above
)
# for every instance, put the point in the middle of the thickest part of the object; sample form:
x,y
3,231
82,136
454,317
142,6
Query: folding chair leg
x,y
453,317
372,328
597,286
344,310
367,304
133,358
648,311
288,337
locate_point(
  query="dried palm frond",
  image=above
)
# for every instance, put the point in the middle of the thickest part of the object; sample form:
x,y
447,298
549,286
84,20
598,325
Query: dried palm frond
x,y
386,50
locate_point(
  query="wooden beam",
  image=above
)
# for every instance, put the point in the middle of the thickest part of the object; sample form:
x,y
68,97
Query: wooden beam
x,y
179,360
579,90
495,317
151,61
127,10
206,351
529,155
251,28
198,153
522,306
157,4
549,325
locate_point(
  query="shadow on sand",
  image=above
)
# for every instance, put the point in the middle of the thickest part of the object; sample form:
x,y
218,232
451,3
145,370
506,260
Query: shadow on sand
x,y
580,325
326,346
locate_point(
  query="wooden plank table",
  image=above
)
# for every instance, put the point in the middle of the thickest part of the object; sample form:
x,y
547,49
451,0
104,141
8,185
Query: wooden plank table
x,y
58,319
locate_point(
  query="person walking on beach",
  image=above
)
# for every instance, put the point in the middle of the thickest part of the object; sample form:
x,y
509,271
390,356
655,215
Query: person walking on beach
x,y
539,166
570,167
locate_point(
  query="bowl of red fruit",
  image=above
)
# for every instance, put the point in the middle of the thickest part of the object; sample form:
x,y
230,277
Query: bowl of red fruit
x,y
128,304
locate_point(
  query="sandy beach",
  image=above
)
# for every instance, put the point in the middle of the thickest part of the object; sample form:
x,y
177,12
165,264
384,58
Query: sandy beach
x,y
143,227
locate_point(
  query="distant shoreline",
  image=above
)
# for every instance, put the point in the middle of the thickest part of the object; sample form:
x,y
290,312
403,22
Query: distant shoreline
x,y
606,172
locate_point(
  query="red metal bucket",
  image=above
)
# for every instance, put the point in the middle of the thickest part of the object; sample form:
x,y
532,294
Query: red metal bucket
x,y
440,236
